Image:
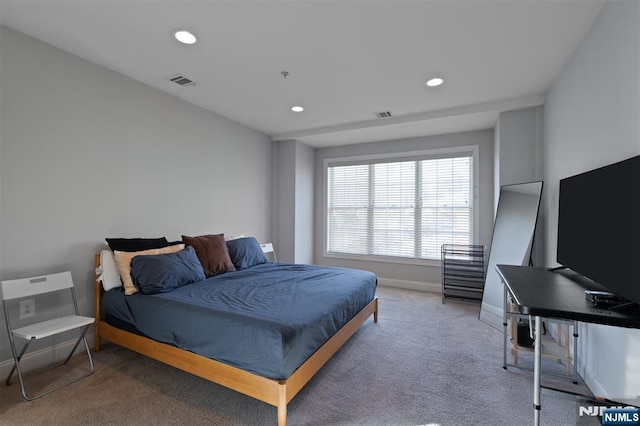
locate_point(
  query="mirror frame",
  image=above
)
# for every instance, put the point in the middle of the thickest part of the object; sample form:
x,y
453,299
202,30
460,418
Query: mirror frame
x,y
509,245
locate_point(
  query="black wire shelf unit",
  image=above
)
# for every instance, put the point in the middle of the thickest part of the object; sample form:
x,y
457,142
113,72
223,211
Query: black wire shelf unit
x,y
463,272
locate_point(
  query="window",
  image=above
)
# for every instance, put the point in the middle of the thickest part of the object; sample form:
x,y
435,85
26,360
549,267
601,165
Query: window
x,y
399,207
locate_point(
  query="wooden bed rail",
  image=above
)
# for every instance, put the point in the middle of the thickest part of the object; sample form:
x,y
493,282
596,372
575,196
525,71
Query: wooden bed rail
x,y
97,306
275,392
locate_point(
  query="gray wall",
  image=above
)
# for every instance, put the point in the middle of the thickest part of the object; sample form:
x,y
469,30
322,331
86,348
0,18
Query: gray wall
x,y
88,153
591,120
518,158
293,231
406,275
518,150
305,156
285,211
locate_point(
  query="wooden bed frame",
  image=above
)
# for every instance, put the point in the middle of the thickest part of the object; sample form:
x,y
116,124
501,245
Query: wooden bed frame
x,y
275,392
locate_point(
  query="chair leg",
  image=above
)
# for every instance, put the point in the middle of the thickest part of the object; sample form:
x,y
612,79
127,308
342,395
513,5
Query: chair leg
x,y
16,366
86,346
82,337
16,360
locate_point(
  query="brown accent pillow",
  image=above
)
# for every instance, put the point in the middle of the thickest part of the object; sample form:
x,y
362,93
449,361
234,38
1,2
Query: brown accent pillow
x,y
212,252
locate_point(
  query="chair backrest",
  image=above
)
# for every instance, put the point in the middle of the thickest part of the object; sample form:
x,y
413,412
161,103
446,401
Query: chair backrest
x,y
25,287
268,248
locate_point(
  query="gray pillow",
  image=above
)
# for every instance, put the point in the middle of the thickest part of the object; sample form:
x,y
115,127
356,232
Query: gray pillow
x,y
246,252
165,272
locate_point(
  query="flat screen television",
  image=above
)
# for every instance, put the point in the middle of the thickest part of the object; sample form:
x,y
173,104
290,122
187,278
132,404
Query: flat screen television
x,y
599,226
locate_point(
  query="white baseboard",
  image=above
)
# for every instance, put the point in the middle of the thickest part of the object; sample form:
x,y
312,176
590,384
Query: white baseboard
x,y
411,285
592,381
598,389
44,357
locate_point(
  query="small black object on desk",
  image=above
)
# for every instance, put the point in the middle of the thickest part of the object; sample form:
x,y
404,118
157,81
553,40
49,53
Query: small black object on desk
x,y
606,300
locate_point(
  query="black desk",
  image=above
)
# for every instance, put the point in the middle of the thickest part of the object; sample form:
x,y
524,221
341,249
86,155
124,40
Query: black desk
x,y
553,294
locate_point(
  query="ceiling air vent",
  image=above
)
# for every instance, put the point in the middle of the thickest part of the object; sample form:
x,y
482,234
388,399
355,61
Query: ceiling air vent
x,y
182,80
383,114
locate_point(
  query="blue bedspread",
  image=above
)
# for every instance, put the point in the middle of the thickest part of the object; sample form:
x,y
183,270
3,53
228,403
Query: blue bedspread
x,y
267,319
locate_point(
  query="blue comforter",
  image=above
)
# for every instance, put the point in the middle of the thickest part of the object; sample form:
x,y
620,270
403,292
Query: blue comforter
x,y
267,319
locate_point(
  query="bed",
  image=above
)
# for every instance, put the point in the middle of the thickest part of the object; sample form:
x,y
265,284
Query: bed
x,y
269,327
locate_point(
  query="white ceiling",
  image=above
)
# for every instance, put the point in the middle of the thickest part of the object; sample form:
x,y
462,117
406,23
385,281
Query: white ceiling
x,y
346,59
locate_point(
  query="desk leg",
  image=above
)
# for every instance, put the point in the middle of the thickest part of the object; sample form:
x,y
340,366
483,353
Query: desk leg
x,y
504,327
575,352
537,367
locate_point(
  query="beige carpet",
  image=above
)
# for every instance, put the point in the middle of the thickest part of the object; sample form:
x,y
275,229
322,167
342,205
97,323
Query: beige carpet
x,y
424,362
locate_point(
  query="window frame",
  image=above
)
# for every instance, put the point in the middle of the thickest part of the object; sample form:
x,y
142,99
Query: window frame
x,y
473,150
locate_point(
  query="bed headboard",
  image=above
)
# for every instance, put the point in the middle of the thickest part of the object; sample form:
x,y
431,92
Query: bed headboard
x,y
97,286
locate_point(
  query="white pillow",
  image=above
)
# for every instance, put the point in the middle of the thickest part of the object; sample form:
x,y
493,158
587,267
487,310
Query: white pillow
x,y
109,275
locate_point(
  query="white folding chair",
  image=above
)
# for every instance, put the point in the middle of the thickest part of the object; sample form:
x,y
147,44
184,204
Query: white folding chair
x,y
27,287
267,248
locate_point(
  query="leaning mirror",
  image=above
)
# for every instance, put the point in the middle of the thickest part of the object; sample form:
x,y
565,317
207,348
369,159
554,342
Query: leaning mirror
x,y
511,244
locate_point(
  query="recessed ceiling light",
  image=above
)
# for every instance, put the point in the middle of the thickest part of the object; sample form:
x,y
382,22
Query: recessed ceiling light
x,y
185,37
435,82
297,108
